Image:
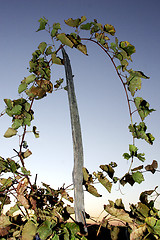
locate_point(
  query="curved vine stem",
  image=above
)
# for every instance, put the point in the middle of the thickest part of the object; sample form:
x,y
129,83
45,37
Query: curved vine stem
x,y
119,75
130,112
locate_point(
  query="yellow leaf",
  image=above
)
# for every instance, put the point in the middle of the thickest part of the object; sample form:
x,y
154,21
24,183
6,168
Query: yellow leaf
x,y
82,48
10,132
27,153
29,231
109,29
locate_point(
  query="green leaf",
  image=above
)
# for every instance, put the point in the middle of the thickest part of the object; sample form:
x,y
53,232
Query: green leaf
x,y
66,234
101,38
115,179
45,230
27,119
22,87
138,74
109,29
72,22
157,228
150,138
73,227
140,132
126,156
13,166
138,177
75,22
141,157
17,123
151,221
113,46
6,183
48,50
133,150
142,107
25,171
64,39
86,26
10,132
9,103
30,79
56,237
16,110
19,101
121,55
124,65
96,27
42,46
134,84
56,27
134,80
36,55
43,21
54,32
56,60
143,209
83,19
27,106
29,231
3,165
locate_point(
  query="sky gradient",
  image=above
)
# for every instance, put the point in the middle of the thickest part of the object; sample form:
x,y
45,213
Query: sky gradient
x,y
101,100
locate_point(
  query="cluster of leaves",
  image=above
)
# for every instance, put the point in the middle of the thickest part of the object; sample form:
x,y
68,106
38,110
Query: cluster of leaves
x,y
21,113
40,212
89,179
121,51
143,218
136,175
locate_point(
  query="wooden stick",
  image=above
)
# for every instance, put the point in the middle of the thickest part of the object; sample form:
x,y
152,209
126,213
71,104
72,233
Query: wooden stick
x,y
77,145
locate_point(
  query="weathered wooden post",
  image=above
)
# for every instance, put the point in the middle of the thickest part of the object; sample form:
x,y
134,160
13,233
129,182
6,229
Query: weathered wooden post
x,y
77,146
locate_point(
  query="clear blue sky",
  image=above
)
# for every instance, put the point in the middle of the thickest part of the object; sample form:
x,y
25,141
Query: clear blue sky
x,y
101,100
